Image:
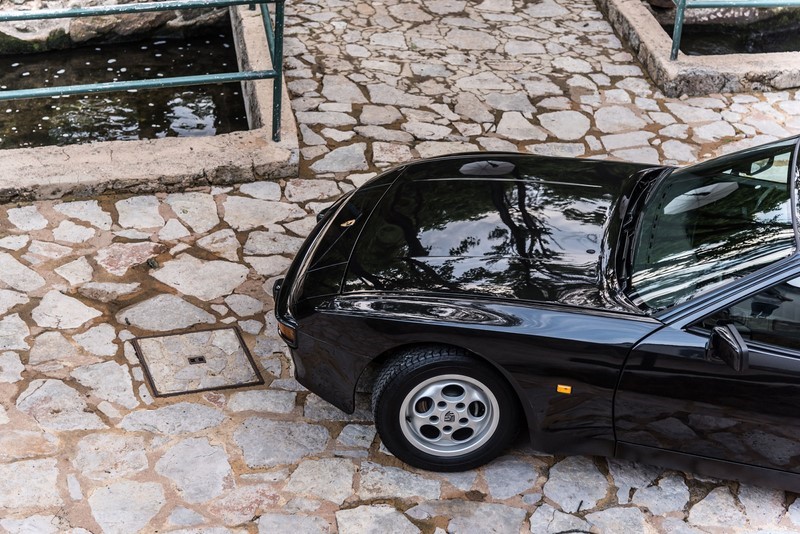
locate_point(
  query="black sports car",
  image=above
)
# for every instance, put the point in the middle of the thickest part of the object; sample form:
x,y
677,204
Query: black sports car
x,y
618,309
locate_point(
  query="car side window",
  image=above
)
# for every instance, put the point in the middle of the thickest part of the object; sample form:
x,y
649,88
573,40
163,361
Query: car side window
x,y
771,316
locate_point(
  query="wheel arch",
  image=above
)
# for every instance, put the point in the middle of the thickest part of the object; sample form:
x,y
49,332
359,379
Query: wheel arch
x,y
367,377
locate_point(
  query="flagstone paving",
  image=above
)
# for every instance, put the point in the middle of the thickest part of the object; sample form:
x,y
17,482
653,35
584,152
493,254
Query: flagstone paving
x,y
86,447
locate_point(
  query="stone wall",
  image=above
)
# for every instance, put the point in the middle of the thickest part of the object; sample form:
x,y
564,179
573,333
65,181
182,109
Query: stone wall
x,y
41,35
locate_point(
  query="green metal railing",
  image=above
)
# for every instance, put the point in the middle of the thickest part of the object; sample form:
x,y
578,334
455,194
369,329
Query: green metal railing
x,y
274,42
683,5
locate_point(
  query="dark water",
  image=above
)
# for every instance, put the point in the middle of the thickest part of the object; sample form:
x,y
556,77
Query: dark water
x,y
144,114
758,38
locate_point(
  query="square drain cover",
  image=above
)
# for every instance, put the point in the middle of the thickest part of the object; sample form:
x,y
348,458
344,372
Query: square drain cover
x,y
198,361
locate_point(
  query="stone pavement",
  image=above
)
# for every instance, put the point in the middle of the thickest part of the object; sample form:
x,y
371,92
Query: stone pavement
x,y
84,445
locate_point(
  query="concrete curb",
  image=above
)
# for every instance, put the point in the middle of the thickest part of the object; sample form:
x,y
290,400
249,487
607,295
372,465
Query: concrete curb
x,y
165,164
697,75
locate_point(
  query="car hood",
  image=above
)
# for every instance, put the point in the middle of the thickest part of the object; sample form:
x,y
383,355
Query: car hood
x,y
500,225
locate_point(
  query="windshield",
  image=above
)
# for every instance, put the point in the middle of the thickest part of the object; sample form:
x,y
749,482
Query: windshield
x,y
706,225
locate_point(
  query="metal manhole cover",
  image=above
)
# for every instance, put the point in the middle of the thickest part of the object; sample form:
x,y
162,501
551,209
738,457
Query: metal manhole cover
x,y
197,361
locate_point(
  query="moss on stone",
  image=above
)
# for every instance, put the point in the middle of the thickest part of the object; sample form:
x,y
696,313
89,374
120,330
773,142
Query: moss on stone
x,y
11,45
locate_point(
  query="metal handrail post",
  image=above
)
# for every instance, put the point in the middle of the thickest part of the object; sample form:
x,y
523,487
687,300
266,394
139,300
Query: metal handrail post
x,y
677,30
277,66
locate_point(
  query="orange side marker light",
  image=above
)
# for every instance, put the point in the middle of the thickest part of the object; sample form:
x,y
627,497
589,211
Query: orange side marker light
x,y
566,390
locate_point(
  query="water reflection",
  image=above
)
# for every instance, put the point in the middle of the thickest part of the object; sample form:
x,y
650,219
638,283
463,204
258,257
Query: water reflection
x,y
530,237
131,115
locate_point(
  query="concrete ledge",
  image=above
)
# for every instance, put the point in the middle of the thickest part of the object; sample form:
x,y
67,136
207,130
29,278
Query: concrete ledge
x,y
165,164
697,75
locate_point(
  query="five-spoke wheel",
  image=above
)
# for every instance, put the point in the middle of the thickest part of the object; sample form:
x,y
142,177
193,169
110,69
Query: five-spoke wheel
x,y
441,409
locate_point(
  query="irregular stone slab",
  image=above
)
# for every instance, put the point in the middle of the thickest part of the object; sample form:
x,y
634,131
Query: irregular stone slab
x,y
429,149
198,210
343,159
379,115
244,503
172,231
565,125
126,506
21,444
763,506
676,150
381,93
329,118
330,479
244,305
39,524
139,212
27,218
616,119
574,482
469,516
48,250
181,418
266,443
269,243
692,114
56,406
670,495
98,340
163,313
569,150
244,213
18,276
338,88
514,126
117,258
14,242
630,475
618,520
109,381
223,243
57,310
509,476
268,266
197,482
384,134
29,485
263,190
381,482
107,456
10,367
107,291
13,332
426,130
484,81
206,280
50,346
271,523
548,520
360,436
373,519
717,509
76,272
87,211
263,401
184,517
616,141
69,232
300,190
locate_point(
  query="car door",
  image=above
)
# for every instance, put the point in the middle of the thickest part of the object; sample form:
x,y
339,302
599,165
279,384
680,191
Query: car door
x,y
673,396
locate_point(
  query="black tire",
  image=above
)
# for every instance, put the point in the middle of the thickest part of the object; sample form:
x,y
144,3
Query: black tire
x,y
420,415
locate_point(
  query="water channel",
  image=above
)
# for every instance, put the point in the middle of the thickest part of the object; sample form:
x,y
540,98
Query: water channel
x,y
146,114
778,34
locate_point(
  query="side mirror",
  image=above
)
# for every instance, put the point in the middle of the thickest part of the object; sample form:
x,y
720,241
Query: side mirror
x,y
726,344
